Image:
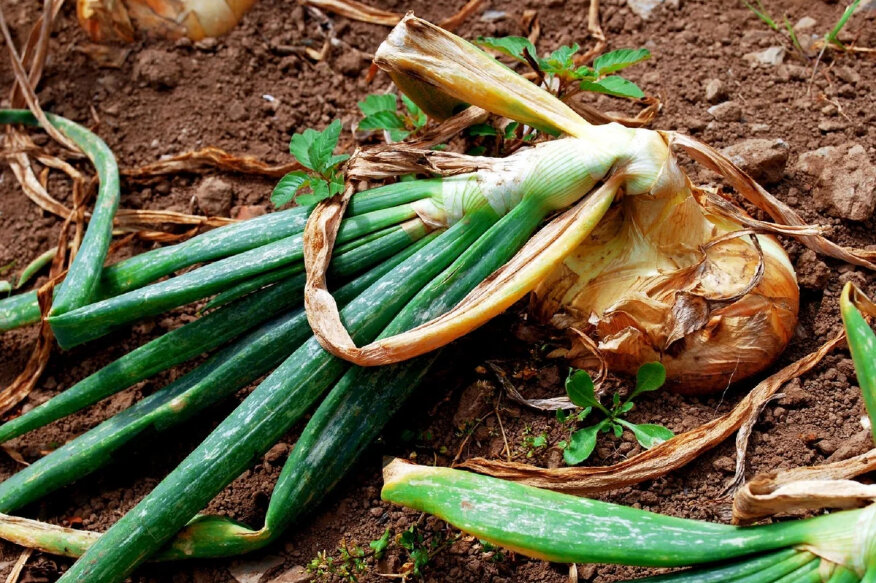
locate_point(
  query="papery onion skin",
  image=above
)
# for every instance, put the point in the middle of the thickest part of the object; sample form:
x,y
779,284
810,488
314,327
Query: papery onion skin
x,y
644,287
121,20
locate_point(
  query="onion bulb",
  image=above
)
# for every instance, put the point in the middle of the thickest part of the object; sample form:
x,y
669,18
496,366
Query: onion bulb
x,y
662,279
111,20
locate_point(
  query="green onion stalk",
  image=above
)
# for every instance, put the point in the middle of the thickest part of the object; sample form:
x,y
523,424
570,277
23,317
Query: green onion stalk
x,y
561,528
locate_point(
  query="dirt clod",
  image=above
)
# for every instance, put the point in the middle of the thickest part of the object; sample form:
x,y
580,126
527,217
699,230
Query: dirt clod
x,y
214,196
157,68
845,179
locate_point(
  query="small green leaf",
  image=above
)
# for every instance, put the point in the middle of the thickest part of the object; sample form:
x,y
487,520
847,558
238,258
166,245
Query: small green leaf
x,y
439,147
418,115
619,59
5,287
511,130
320,190
482,129
584,73
561,415
320,151
625,408
579,387
336,185
408,539
377,103
649,377
288,186
299,146
382,120
560,61
614,85
583,413
615,400
513,46
539,440
396,135
379,545
421,559
648,435
617,429
581,444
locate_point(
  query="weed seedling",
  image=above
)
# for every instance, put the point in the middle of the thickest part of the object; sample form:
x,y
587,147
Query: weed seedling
x,y
559,72
380,114
315,151
580,389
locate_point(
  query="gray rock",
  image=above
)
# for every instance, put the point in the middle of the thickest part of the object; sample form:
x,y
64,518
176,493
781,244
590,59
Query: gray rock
x,y
763,159
769,57
727,111
214,196
715,91
805,23
845,180
644,8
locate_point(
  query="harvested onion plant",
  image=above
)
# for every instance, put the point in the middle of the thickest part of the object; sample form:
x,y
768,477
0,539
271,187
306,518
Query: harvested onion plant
x,y
413,265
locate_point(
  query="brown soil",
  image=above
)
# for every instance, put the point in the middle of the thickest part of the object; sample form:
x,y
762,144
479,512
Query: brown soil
x,y
171,97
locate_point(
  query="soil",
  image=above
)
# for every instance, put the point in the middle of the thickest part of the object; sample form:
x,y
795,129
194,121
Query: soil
x,y
249,91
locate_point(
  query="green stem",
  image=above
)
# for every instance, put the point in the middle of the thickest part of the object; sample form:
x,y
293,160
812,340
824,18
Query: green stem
x,y
562,528
222,374
862,345
194,338
264,416
79,285
95,320
727,572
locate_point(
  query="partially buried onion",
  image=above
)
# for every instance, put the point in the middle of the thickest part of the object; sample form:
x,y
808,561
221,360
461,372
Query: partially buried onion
x,y
109,20
663,279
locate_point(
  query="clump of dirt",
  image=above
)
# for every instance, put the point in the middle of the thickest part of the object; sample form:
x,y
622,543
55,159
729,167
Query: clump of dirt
x,y
718,75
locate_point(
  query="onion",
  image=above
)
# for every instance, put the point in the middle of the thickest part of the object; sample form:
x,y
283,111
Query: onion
x,y
663,279
109,20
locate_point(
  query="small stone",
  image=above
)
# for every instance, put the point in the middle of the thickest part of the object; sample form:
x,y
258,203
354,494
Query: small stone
x,y
277,452
845,180
214,196
207,45
827,446
759,128
769,57
158,69
252,571
237,112
248,211
163,187
644,8
715,91
349,63
296,574
727,111
763,159
805,23
832,125
795,394
812,273
724,464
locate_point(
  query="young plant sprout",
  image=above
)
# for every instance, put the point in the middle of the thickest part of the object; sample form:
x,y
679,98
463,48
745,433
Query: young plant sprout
x,y
580,388
671,274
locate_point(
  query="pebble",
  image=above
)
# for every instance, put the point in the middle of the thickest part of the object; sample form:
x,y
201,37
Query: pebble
x,y
249,211
763,159
845,179
214,196
644,8
296,574
727,111
252,571
237,112
769,57
805,23
349,63
277,452
158,69
715,91
724,464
